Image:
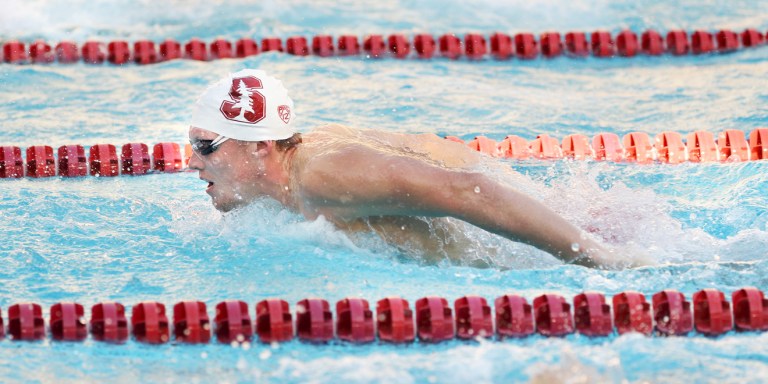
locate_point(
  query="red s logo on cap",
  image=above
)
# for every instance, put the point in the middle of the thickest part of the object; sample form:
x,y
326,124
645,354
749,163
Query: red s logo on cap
x,y
248,104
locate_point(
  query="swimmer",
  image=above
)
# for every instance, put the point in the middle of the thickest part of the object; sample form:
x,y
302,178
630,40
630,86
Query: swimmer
x,y
245,147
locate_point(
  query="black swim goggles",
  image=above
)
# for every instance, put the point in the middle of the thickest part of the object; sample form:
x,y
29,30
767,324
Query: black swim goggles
x,y
206,147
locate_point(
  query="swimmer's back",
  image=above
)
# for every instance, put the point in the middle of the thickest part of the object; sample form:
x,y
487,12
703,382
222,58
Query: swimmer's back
x,y
346,173
426,147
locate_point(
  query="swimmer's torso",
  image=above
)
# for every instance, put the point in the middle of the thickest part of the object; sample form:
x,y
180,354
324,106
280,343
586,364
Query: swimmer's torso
x,y
337,172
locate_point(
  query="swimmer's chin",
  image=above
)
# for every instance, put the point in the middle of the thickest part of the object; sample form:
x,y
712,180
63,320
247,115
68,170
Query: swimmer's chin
x,y
225,207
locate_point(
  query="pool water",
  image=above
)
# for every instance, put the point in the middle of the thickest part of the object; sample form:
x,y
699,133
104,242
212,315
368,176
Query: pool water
x,y
157,237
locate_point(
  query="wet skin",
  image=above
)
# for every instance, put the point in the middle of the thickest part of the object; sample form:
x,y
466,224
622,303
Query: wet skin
x,y
351,176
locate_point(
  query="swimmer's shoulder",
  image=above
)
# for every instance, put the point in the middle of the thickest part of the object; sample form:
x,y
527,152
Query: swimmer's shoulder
x,y
322,151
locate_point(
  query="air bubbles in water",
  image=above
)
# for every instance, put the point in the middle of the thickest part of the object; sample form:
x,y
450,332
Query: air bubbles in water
x,y
575,247
477,189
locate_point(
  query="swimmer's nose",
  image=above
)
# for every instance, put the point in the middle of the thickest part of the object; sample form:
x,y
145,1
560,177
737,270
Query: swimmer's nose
x,y
195,162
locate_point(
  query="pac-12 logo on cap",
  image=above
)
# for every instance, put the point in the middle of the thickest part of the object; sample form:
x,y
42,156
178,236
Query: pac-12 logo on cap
x,y
247,104
284,112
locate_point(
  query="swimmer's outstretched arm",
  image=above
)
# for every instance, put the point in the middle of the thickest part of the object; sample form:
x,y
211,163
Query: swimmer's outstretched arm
x,y
372,184
500,209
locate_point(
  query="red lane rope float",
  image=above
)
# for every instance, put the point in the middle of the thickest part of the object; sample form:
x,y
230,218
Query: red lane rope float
x,y
550,315
102,160
108,322
473,46
636,147
354,320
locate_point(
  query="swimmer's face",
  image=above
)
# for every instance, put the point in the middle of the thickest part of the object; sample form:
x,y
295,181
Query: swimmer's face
x,y
232,170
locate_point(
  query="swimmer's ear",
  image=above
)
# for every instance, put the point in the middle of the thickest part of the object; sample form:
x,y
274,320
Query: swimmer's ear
x,y
262,148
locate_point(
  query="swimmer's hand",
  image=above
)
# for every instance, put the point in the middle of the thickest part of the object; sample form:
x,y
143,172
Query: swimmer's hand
x,y
616,259
640,260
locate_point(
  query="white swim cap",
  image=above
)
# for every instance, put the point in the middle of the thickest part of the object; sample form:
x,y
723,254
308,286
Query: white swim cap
x,y
248,105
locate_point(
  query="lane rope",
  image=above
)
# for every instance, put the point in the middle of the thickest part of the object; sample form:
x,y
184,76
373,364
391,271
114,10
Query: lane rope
x,y
473,46
431,320
102,160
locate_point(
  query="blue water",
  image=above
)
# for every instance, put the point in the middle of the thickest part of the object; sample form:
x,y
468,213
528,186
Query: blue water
x,y
158,238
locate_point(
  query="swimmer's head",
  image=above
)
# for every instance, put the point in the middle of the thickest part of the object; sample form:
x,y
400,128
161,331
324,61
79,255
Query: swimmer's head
x,y
241,131
248,105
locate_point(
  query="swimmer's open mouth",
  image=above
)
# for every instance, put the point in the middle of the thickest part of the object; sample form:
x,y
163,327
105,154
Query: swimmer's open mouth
x,y
210,184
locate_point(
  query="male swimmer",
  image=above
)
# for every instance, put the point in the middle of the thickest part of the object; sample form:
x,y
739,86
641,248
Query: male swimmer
x,y
245,147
